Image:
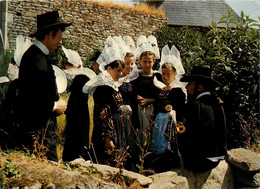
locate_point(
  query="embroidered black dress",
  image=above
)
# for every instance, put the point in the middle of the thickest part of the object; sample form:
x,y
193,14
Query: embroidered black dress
x,y
107,121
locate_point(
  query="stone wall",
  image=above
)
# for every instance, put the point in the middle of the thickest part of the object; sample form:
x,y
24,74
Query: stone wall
x,y
92,22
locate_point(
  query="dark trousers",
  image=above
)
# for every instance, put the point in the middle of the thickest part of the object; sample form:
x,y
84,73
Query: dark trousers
x,y
41,142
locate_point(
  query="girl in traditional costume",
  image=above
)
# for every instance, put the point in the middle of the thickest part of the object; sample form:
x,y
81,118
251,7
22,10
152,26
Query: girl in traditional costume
x,y
108,133
170,104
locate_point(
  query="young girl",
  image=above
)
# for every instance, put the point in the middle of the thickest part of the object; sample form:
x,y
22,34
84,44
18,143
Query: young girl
x,y
108,133
171,97
126,87
145,92
126,109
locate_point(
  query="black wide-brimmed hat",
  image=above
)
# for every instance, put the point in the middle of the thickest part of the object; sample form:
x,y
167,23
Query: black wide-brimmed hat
x,y
201,74
47,20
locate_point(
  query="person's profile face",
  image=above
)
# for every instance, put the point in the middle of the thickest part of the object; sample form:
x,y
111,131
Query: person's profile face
x,y
115,73
129,63
54,41
191,87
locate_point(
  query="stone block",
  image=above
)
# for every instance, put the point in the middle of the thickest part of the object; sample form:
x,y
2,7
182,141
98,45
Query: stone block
x,y
244,159
247,179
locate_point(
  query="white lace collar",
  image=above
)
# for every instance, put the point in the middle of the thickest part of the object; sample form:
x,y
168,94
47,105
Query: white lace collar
x,y
174,84
104,78
125,79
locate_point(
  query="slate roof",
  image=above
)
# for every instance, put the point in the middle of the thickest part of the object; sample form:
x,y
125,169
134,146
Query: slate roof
x,y
193,12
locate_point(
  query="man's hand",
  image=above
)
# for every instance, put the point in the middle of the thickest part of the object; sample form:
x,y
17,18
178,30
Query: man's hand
x,y
61,106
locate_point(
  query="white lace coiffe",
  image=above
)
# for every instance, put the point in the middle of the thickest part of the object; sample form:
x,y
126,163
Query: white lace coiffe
x,y
104,78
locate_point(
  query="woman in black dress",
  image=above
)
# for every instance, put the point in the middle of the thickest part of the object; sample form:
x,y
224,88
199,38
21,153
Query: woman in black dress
x,y
77,118
108,132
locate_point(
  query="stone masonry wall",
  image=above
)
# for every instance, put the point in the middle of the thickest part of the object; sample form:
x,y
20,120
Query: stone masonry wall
x,y
92,22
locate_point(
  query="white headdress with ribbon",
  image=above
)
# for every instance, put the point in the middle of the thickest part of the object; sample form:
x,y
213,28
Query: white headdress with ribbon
x,y
110,53
147,44
73,57
153,41
61,79
130,43
173,57
71,73
141,46
22,44
122,47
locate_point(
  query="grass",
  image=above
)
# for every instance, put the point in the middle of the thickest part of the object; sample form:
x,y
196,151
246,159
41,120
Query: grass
x,y
19,170
61,124
143,7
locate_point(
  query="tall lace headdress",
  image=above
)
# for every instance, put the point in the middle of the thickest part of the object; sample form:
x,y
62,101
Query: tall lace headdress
x,y
110,53
173,57
153,42
130,43
149,43
22,44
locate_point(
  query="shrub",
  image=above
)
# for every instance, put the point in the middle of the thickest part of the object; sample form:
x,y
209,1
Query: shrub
x,y
5,59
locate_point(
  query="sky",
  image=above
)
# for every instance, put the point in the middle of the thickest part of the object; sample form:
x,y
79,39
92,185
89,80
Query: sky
x,y
250,8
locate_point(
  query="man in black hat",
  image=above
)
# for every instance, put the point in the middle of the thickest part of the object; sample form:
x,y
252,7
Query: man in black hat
x,y
203,143
38,99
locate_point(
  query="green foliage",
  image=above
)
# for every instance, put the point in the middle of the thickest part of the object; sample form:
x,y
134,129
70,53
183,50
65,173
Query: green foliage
x,y
7,170
84,170
5,59
233,52
58,58
2,182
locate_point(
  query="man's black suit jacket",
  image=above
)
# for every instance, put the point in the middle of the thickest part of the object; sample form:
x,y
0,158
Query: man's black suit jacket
x,y
37,90
205,134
